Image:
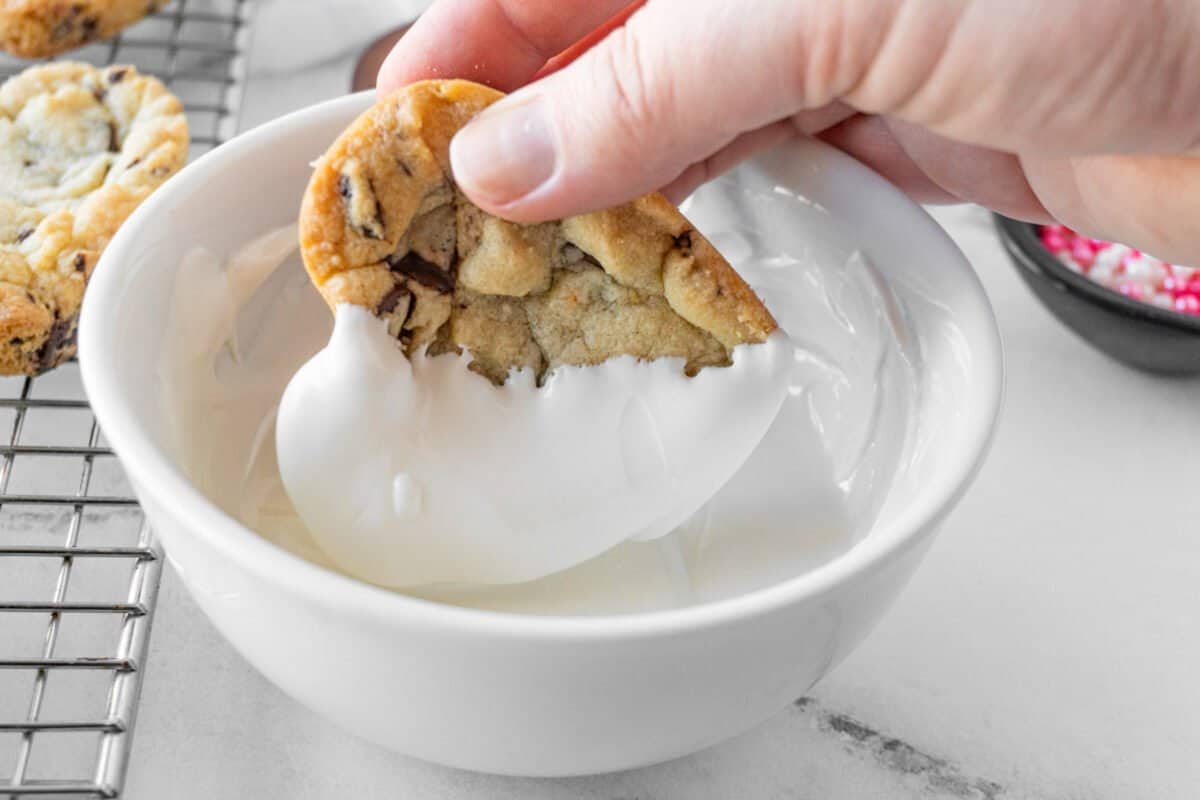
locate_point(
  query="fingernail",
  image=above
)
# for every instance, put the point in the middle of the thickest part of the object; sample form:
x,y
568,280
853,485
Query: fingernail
x,y
506,152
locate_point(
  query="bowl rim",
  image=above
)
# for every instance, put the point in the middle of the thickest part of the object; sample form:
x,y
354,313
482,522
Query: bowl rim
x,y
154,474
1021,239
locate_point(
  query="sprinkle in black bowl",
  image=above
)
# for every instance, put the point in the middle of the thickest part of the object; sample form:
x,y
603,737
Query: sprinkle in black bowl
x,y
1131,325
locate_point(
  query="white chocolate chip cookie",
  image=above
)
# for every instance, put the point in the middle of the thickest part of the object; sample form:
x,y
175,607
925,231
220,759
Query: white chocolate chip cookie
x,y
80,148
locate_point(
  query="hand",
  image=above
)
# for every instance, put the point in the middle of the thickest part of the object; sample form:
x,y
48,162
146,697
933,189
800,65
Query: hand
x,y
1087,111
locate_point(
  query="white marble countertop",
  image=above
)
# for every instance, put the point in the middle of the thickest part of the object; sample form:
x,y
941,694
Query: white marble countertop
x,y
1047,648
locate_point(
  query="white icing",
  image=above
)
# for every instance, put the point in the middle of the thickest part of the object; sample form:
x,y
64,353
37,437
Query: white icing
x,y
421,472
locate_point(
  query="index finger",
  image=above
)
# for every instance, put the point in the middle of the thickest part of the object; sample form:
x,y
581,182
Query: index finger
x,y
502,43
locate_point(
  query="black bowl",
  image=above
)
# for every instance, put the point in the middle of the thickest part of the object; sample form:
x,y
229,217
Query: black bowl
x,y
1138,334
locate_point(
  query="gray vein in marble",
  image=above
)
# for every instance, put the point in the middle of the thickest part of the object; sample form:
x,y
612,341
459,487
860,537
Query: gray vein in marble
x,y
898,756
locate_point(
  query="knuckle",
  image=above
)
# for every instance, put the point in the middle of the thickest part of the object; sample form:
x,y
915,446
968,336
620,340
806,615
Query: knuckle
x,y
634,104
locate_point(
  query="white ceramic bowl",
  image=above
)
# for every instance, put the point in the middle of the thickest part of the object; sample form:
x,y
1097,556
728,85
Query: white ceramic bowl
x,y
508,693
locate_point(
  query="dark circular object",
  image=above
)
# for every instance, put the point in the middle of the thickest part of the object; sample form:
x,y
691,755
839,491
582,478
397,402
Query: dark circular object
x,y
372,59
1138,334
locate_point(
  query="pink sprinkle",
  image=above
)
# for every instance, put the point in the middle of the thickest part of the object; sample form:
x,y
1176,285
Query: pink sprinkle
x,y
1134,275
1055,243
1083,252
1131,290
1188,304
1174,284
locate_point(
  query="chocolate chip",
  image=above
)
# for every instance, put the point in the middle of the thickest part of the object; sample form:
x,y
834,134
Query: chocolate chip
x,y
16,341
423,272
24,234
390,300
62,335
80,262
100,94
371,228
133,163
114,138
29,297
89,26
66,26
27,162
683,242
117,75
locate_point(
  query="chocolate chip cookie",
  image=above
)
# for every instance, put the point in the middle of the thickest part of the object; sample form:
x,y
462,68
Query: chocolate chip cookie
x,y
41,28
383,226
80,148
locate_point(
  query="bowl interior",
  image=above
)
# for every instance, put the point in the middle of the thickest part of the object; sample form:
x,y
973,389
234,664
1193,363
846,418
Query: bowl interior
x,y
254,184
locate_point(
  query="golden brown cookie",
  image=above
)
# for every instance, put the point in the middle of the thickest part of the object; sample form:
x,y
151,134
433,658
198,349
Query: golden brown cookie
x,y
383,226
41,28
80,148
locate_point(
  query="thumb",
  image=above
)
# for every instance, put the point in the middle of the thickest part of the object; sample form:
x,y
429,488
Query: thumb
x,y
678,82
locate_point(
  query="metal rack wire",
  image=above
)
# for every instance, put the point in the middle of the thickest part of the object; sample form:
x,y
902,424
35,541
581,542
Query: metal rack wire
x,y
79,569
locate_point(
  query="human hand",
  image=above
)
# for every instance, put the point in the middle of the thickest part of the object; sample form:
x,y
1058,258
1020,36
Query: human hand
x,y
1084,110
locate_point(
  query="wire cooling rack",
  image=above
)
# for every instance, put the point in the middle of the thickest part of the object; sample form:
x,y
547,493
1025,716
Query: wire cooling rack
x,y
79,570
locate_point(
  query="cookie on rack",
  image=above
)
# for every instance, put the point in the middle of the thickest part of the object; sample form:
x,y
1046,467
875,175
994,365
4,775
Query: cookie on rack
x,y
383,226
41,28
80,148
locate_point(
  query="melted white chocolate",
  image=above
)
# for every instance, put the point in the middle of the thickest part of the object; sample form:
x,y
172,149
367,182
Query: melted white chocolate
x,y
422,472
813,486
